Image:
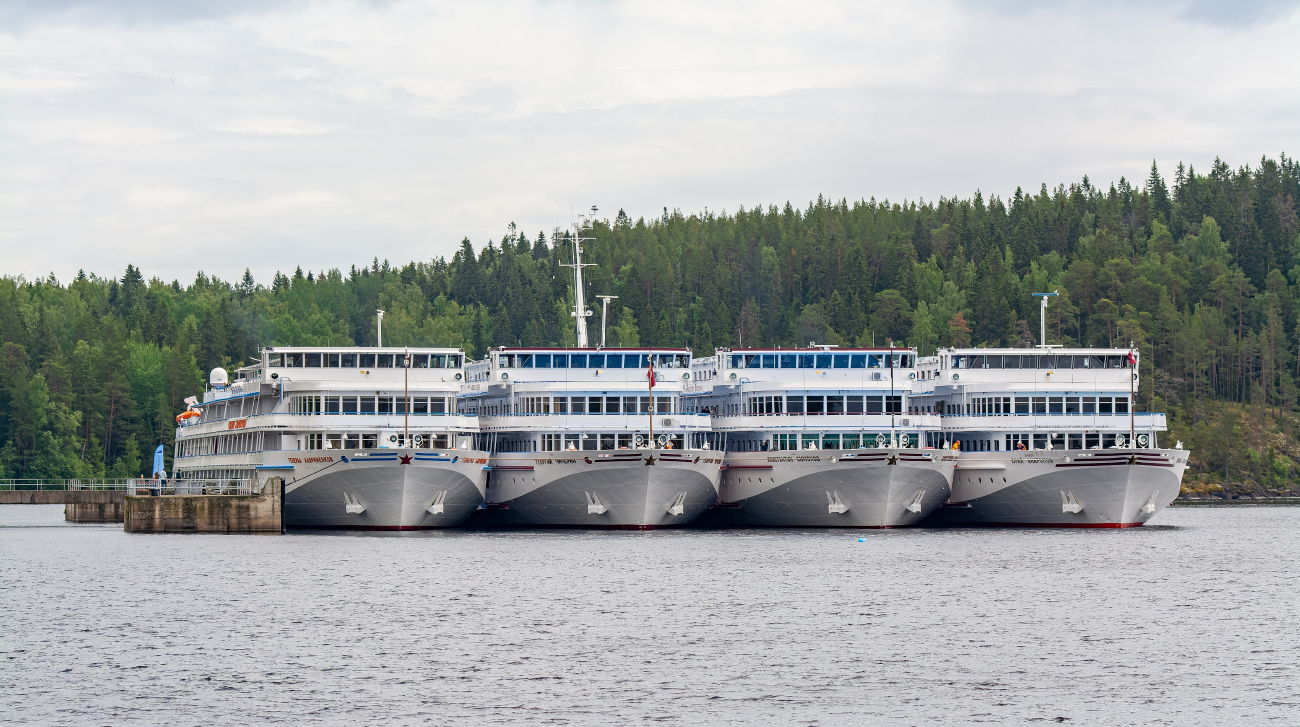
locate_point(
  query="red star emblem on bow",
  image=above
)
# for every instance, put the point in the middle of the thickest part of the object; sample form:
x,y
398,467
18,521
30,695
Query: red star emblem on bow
x,y
406,459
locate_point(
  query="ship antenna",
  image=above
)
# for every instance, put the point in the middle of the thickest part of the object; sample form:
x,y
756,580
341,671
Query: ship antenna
x,y
580,312
1042,317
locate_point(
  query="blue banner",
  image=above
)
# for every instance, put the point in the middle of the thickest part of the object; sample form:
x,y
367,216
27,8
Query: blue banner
x,y
158,470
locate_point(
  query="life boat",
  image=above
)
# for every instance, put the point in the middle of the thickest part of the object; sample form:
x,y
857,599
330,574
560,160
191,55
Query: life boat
x,y
188,414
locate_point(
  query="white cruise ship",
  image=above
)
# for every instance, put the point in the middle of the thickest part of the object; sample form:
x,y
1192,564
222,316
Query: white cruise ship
x,y
821,437
364,438
1048,437
579,439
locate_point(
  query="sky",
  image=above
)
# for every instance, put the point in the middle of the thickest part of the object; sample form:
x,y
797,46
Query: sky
x,y
222,135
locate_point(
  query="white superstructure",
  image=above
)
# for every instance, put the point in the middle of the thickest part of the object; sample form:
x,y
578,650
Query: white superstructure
x,y
365,438
1048,436
821,437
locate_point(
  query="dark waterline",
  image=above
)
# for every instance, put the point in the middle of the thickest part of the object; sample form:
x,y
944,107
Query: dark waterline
x,y
1192,619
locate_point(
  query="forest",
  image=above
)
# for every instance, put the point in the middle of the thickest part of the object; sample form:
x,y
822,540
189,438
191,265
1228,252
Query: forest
x,y
1201,272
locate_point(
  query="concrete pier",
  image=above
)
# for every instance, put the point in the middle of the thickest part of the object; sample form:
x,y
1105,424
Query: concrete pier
x,y
83,506
260,513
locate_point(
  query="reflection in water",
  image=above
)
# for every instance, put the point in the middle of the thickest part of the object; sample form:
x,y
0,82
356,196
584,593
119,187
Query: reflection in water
x,y
1191,620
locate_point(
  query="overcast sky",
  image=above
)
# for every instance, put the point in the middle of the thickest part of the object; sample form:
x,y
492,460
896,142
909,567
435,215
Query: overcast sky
x,y
215,135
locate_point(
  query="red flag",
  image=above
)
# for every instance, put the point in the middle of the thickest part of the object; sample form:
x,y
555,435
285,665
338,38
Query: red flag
x,y
1132,359
650,373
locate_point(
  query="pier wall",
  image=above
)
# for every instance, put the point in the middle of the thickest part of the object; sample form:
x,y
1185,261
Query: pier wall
x,y
205,513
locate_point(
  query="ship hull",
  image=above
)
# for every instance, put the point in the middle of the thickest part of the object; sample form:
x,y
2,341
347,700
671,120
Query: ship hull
x,y
1071,489
622,489
397,489
883,488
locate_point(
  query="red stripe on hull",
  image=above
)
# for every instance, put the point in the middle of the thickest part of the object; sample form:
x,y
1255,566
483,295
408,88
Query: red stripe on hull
x,y
1081,526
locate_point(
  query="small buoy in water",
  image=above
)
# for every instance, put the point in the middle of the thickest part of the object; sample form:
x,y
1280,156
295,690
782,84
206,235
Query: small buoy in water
x,y
862,540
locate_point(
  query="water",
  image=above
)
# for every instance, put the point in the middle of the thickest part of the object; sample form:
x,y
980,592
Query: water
x,y
1191,620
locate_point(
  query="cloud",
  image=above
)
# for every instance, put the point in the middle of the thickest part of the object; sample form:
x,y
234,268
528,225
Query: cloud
x,y
326,133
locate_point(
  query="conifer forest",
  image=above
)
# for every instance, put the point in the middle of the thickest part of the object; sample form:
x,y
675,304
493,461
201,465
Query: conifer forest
x,y
1200,271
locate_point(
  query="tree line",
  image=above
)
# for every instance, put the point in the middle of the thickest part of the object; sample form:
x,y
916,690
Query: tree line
x,y
1201,273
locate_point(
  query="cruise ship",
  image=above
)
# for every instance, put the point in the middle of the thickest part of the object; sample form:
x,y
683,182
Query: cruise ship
x,y
363,438
1048,437
580,439
821,437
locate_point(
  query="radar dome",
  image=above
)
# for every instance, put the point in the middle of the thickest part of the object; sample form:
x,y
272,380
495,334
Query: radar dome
x,y
218,377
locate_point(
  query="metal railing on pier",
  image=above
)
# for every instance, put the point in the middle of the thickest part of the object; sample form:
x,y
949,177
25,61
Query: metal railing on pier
x,y
140,486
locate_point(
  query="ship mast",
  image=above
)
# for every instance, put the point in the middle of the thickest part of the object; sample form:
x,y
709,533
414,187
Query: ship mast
x,y
580,312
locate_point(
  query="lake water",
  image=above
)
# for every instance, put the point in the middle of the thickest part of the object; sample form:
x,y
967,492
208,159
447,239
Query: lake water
x,y
1192,619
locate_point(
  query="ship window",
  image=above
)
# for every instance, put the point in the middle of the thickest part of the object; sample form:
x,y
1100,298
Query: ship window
x,y
1089,405
663,405
1115,362
311,360
385,404
607,441
787,360
1091,440
579,405
367,360
367,405
794,404
437,405
1065,362
1047,362
634,360
841,360
578,361
594,404
875,405
823,360
894,404
1104,405
769,360
1076,440
385,361
1054,405
420,405
834,405
850,441
275,360
993,361
331,405
1040,405
830,441
596,361
1022,405
612,405
349,405
293,360
805,360
858,361
816,405
875,361
437,361
613,361
559,361
420,361
1072,405
542,361
369,441
524,360
1121,405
